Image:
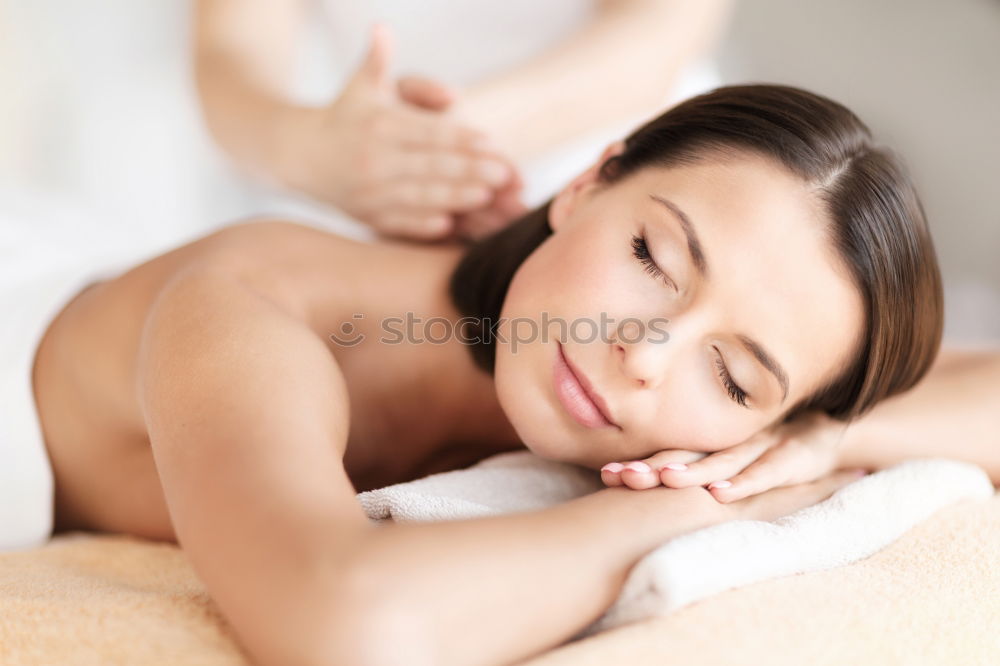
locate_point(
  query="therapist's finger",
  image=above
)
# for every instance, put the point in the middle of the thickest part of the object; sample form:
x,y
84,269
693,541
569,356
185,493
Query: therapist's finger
x,y
425,93
505,209
446,165
413,225
429,195
480,223
411,126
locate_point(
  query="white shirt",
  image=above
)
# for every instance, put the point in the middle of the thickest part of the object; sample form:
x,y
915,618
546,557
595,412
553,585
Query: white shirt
x,y
104,110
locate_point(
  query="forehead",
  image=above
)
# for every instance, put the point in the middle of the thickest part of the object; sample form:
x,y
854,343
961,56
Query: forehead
x,y
774,273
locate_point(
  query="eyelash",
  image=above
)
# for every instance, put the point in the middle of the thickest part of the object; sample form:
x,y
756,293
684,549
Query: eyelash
x,y
735,392
640,250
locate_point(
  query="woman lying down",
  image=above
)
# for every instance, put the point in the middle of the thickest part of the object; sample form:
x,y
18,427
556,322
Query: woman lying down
x,y
695,318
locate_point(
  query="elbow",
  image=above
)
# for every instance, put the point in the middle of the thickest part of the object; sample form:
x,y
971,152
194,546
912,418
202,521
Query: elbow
x,y
354,624
375,627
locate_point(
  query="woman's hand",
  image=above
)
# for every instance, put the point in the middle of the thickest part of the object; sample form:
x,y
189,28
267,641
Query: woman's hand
x,y
779,502
797,452
392,157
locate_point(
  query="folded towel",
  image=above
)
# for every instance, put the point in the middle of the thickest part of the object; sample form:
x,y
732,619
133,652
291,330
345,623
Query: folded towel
x,y
855,522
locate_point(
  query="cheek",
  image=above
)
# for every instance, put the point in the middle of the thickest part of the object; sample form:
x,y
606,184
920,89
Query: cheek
x,y
577,272
522,387
692,413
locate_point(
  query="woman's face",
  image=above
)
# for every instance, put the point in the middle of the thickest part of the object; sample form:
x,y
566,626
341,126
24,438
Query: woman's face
x,y
700,302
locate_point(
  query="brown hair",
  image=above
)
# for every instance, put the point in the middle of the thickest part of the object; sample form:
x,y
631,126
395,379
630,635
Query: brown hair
x,y
876,223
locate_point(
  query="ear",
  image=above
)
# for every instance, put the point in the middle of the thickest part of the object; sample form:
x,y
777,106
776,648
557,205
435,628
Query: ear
x,y
567,199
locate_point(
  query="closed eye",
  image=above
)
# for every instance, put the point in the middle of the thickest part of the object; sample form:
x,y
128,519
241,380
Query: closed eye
x,y
640,250
737,394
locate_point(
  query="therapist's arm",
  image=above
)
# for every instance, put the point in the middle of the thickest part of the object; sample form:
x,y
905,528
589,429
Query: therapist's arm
x,y
620,64
244,54
389,158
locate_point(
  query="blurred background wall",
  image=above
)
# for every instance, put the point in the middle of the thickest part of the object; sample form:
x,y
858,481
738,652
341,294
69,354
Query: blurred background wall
x,y
925,76
93,93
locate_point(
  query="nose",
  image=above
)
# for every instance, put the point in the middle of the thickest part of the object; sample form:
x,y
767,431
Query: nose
x,y
643,354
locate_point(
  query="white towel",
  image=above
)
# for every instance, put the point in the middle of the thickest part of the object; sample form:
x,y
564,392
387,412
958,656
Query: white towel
x,y
855,522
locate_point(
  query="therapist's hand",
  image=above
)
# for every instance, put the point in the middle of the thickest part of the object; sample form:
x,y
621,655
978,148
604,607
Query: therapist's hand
x,y
390,156
505,205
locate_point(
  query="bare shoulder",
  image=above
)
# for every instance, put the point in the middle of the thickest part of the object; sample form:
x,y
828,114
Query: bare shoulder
x,y
304,267
278,258
97,335
269,247
87,367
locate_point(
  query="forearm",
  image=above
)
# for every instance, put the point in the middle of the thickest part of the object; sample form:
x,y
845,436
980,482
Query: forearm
x,y
499,589
243,56
619,65
954,412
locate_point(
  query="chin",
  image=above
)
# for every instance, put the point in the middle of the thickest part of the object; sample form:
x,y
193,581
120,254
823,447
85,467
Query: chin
x,y
548,451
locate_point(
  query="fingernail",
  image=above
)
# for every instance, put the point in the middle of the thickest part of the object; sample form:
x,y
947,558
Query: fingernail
x,y
613,467
638,466
719,484
677,467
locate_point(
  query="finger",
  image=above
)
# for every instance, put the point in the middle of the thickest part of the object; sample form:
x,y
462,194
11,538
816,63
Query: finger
x,y
446,165
611,474
425,93
478,224
674,457
374,69
774,468
504,211
638,475
510,204
641,474
430,195
508,198
417,127
783,501
416,226
715,467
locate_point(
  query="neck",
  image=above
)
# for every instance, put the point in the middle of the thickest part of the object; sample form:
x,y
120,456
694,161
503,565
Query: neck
x,y
472,415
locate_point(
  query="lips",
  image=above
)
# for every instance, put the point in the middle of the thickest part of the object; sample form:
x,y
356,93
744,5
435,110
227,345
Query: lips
x,y
578,395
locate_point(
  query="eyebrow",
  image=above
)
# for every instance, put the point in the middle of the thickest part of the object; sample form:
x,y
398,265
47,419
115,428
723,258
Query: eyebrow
x,y
694,245
768,362
698,258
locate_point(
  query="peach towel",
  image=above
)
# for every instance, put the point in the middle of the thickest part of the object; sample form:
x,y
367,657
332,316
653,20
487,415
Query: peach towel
x,y
930,598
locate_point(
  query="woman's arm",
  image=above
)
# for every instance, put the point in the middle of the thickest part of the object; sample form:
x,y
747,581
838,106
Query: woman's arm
x,y
953,412
495,590
247,414
619,65
498,590
247,418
